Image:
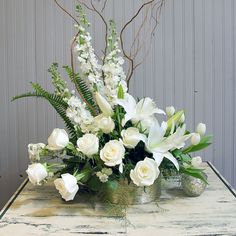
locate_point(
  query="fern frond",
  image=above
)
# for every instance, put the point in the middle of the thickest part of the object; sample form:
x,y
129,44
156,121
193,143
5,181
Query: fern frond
x,y
58,104
83,90
43,93
24,95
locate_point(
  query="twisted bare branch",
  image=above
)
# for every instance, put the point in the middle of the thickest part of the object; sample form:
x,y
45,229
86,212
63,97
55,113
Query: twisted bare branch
x,y
104,5
155,7
94,9
72,55
106,27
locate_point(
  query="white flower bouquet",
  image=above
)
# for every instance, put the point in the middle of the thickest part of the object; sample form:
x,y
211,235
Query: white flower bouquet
x,y
110,135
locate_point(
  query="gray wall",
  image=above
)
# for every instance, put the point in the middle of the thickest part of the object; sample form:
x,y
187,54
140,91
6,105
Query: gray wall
x,y
191,65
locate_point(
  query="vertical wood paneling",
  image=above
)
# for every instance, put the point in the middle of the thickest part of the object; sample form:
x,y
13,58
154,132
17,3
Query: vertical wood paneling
x,y
188,62
228,88
191,65
207,79
168,58
218,84
3,107
233,163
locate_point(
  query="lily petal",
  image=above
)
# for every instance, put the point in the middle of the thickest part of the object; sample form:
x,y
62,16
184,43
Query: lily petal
x,y
158,157
170,157
128,103
156,134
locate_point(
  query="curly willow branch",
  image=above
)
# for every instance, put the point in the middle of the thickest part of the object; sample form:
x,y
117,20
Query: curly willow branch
x,y
72,55
94,9
129,57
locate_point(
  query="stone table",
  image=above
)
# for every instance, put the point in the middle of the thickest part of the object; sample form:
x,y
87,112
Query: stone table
x,y
40,211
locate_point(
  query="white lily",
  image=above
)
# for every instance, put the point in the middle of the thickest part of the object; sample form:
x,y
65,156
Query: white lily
x,y
157,144
136,112
179,138
160,146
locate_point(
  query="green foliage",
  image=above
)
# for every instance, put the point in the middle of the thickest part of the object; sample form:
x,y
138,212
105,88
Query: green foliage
x,y
82,16
174,119
205,142
112,36
120,92
197,173
59,84
56,101
94,183
83,89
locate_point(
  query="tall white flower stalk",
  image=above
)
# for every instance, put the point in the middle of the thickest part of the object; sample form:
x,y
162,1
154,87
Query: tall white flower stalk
x,y
114,75
90,70
80,115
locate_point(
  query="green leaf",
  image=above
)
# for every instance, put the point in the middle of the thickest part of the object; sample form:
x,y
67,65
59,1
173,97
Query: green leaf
x,y
197,173
177,152
94,183
120,92
205,142
185,158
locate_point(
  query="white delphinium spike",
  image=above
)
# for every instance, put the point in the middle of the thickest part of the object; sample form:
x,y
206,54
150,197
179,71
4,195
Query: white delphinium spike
x,y
89,66
114,75
80,116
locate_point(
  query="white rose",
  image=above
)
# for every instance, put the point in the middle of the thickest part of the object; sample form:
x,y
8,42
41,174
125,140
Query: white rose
x,y
103,104
195,139
131,137
196,161
34,151
201,129
170,111
36,173
58,140
88,144
182,119
112,153
67,186
104,123
145,172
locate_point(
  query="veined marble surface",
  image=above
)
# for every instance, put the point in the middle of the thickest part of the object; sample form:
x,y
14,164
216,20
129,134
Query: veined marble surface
x,y
40,211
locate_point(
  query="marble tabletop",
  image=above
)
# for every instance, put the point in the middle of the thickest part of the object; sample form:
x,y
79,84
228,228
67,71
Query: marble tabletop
x,y
40,211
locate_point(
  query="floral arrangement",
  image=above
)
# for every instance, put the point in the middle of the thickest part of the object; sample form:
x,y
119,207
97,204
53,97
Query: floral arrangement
x,y
110,135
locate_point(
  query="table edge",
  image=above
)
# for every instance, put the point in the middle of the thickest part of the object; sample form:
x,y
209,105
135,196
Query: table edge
x,y
13,198
21,187
225,182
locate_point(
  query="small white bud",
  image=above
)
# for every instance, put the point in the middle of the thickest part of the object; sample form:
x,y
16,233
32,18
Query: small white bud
x,y
201,129
182,119
196,161
170,111
196,138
